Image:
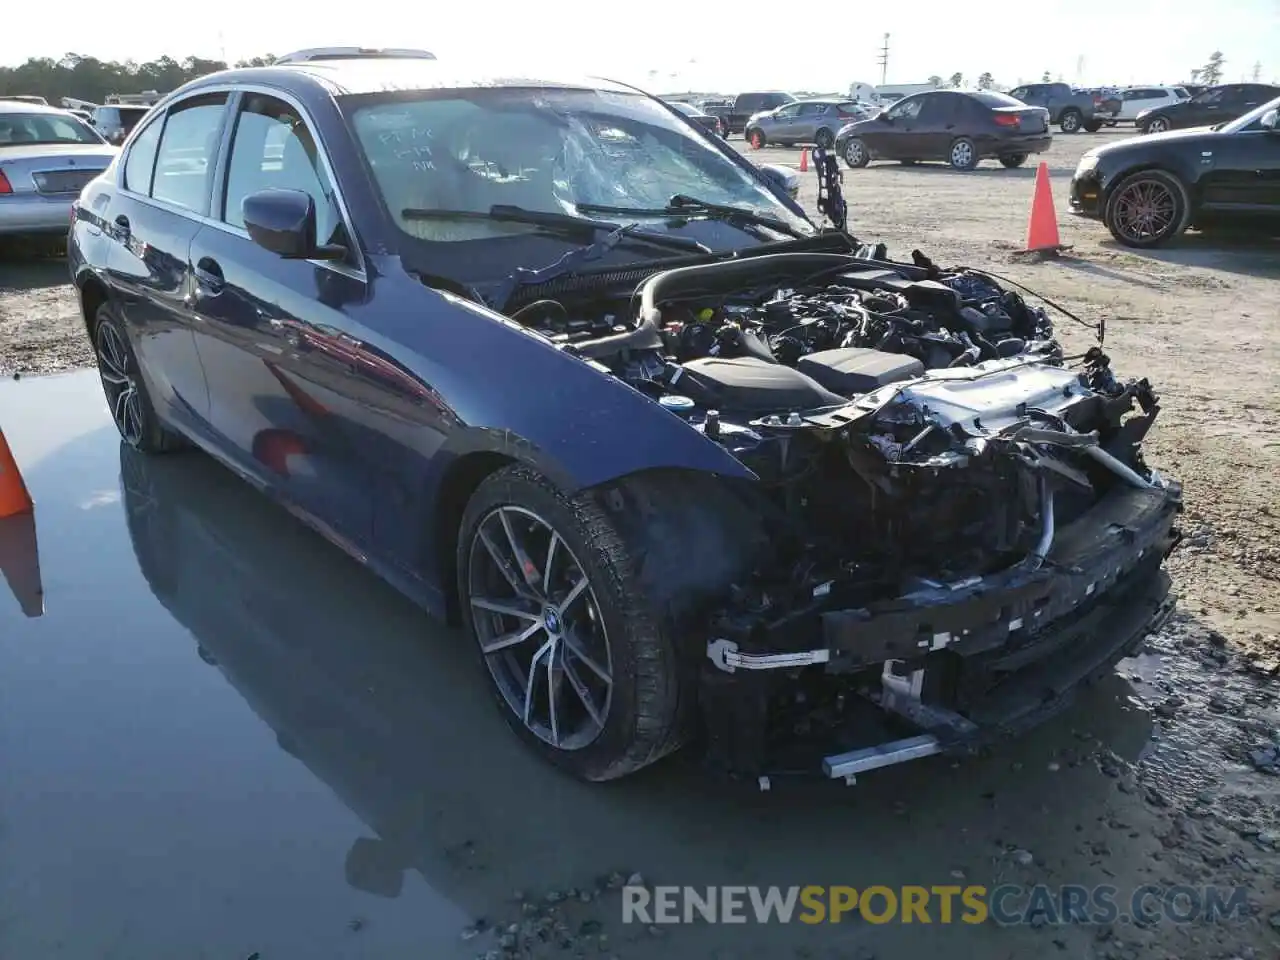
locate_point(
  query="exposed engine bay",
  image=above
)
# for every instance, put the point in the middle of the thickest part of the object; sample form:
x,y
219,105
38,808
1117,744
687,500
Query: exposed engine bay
x,y
930,460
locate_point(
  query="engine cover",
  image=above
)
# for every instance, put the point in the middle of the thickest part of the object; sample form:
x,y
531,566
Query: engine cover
x,y
853,370
748,385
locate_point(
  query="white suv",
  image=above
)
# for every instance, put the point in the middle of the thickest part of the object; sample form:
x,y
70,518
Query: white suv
x,y
1133,100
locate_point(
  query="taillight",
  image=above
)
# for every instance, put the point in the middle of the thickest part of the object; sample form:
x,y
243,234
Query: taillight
x,y
1008,120
4,183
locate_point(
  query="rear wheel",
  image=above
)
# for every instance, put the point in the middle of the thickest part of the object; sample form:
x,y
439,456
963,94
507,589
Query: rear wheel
x,y
127,399
1012,160
756,138
824,139
963,154
582,669
855,153
1147,209
1093,126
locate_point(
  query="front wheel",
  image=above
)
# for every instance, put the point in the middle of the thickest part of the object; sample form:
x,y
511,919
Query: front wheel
x,y
856,154
963,155
127,399
1147,209
1156,125
756,139
1012,160
1071,121
582,669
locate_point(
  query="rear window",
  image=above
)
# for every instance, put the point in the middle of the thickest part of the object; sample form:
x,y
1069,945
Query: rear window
x,y
47,128
989,98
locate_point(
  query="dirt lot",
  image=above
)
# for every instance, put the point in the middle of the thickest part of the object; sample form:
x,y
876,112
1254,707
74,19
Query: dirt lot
x,y
1199,804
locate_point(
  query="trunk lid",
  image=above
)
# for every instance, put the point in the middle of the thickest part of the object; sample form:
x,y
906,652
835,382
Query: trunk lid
x,y
1022,119
54,169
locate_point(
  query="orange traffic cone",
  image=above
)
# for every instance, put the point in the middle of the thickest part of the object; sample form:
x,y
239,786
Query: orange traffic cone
x,y
20,561
19,555
14,497
1042,227
804,160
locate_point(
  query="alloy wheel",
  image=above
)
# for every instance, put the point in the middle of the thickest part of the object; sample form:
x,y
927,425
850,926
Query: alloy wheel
x,y
119,384
540,628
1158,125
1145,210
961,154
853,153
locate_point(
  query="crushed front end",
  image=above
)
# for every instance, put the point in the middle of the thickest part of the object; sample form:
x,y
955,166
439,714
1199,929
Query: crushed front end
x,y
952,526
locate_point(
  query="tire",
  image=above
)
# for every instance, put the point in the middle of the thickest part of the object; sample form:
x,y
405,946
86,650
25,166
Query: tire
x,y
1013,160
1071,121
756,138
1093,126
855,153
127,399
1156,194
824,138
1157,124
963,155
642,694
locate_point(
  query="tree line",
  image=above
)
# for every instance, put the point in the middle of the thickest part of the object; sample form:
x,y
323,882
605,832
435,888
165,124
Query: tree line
x,y
1211,74
88,78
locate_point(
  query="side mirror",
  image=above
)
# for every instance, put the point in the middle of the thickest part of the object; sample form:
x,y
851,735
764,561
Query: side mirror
x,y
884,115
784,177
284,222
1270,121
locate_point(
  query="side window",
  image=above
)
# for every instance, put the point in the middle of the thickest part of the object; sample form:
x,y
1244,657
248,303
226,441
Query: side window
x,y
1019,93
788,112
907,109
142,158
812,109
273,149
188,146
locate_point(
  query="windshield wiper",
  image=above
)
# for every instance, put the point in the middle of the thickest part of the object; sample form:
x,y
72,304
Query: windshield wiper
x,y
562,222
683,205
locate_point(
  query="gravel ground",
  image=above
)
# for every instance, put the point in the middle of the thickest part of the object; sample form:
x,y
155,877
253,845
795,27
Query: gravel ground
x,y
1196,802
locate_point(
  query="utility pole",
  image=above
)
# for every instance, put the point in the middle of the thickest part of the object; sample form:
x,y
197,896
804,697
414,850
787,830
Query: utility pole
x,y
1257,71
883,60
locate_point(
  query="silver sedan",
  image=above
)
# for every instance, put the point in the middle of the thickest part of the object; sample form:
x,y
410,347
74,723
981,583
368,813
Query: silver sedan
x,y
46,156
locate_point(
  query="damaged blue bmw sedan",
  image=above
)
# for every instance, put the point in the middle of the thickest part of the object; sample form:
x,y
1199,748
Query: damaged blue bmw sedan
x,y
688,467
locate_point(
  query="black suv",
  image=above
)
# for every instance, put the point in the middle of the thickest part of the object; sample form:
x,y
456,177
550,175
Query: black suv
x,y
748,104
1213,106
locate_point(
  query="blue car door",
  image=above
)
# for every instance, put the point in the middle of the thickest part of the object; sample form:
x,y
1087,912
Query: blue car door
x,y
151,221
281,351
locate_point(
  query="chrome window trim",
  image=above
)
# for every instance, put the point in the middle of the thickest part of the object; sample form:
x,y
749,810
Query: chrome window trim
x,y
357,272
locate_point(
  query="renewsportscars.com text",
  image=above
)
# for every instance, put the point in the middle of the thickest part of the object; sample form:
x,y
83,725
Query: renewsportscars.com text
x,y
1007,905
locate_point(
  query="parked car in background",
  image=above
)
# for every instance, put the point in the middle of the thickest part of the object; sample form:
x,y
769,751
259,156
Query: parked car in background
x,y
1072,110
1215,105
25,98
46,157
116,121
1136,100
960,127
717,107
804,121
1148,190
704,120
747,105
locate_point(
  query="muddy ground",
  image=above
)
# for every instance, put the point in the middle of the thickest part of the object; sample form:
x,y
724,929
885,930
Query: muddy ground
x,y
1194,798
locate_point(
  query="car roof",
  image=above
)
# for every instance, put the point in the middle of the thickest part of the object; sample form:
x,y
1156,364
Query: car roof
x,y
21,106
385,75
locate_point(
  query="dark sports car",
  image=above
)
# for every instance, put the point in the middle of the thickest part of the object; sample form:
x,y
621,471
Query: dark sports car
x,y
1148,190
582,379
960,127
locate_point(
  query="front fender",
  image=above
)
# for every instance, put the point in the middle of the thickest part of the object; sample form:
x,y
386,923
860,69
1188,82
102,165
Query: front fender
x,y
513,393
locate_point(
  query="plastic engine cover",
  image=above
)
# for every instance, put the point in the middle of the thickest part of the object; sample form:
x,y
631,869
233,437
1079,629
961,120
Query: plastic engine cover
x,y
851,370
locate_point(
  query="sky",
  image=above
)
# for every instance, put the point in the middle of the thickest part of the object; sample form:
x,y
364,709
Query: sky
x,y
667,46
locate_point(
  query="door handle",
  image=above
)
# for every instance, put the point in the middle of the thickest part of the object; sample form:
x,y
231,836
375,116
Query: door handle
x,y
209,275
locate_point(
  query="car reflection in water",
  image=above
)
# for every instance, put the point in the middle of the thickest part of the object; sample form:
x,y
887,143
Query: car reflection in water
x,y
377,699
